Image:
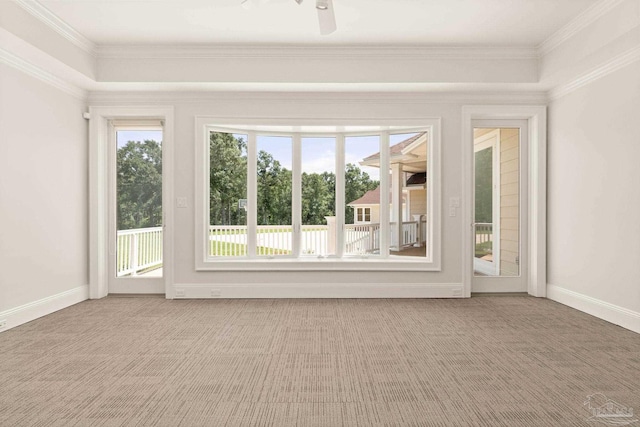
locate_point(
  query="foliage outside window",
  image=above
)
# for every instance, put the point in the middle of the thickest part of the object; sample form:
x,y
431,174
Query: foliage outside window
x,y
139,185
295,196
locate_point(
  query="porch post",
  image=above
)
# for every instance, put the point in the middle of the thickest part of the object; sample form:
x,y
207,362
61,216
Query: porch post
x,y
331,235
396,204
418,219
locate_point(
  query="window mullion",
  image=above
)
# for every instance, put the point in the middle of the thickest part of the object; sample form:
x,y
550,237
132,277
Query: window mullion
x,y
384,195
296,202
340,188
252,195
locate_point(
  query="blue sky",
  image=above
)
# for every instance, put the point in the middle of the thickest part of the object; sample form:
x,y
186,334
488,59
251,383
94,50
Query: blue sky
x,y
124,136
318,154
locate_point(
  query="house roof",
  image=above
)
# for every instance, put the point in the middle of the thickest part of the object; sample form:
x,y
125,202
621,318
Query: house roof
x,y
396,149
371,197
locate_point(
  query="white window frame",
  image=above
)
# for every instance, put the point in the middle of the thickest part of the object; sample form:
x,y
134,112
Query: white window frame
x,y
382,262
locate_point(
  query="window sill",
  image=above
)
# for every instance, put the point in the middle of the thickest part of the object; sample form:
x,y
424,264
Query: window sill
x,y
318,264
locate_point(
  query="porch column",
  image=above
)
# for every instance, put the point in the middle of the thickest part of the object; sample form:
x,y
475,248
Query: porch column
x,y
418,219
397,183
331,235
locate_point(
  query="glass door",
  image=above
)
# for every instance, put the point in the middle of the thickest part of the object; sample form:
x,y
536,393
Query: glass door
x,y
136,215
499,206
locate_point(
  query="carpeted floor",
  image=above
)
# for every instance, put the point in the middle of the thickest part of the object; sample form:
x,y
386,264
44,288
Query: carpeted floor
x,y
146,361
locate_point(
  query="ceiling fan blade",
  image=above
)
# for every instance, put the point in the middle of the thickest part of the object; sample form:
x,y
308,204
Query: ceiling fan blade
x,y
327,19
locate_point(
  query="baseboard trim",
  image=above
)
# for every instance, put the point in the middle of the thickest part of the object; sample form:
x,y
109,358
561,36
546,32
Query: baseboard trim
x,y
615,314
33,310
316,290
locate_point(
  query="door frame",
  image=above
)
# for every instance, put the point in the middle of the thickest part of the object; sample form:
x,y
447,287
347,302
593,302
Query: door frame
x,y
508,283
536,117
99,197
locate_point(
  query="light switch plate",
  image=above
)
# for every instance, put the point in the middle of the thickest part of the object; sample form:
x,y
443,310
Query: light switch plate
x,y
454,202
181,202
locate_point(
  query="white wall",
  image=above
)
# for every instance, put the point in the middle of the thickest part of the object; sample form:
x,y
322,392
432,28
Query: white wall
x,y
280,107
594,190
43,192
594,146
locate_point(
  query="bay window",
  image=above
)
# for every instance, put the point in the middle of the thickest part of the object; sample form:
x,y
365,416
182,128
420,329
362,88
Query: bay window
x,y
312,197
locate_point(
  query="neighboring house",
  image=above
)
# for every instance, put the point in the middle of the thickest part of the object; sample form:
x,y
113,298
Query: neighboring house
x,y
408,161
366,209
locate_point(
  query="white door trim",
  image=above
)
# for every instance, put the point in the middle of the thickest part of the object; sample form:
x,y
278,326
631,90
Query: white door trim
x,y
99,192
536,115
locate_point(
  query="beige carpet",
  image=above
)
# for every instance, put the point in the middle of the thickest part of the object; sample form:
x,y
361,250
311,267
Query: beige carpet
x,y
484,361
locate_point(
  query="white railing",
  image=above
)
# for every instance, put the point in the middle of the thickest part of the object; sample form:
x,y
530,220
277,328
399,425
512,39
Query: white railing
x,y
409,233
315,240
274,239
137,250
359,239
231,240
484,262
228,240
484,232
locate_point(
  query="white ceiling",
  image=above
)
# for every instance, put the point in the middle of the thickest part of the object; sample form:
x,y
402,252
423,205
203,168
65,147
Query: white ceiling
x,y
369,22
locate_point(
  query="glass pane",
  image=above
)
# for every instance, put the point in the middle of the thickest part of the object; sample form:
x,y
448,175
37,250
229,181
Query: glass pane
x,y
274,164
227,194
497,202
319,232
139,203
408,194
362,190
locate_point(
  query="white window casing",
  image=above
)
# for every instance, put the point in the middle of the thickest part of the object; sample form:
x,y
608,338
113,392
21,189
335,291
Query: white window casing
x,y
339,261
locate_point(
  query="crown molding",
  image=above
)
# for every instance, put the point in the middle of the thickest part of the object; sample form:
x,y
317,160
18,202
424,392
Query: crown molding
x,y
313,52
26,67
315,98
577,24
58,25
596,73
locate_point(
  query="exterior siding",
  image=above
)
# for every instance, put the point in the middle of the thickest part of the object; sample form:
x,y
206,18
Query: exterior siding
x,y
509,201
418,203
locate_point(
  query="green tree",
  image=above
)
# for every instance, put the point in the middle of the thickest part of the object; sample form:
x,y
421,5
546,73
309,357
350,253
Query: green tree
x,y
139,185
274,191
318,198
227,178
356,184
484,186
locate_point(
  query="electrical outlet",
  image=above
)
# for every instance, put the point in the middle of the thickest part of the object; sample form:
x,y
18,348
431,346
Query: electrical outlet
x,y
3,323
216,293
457,292
180,293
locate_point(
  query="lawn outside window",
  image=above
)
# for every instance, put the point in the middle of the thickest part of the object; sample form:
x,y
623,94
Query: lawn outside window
x,y
271,198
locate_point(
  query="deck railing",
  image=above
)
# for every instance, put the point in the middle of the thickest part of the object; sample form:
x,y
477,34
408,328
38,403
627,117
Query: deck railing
x,y
484,232
361,239
137,250
141,249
